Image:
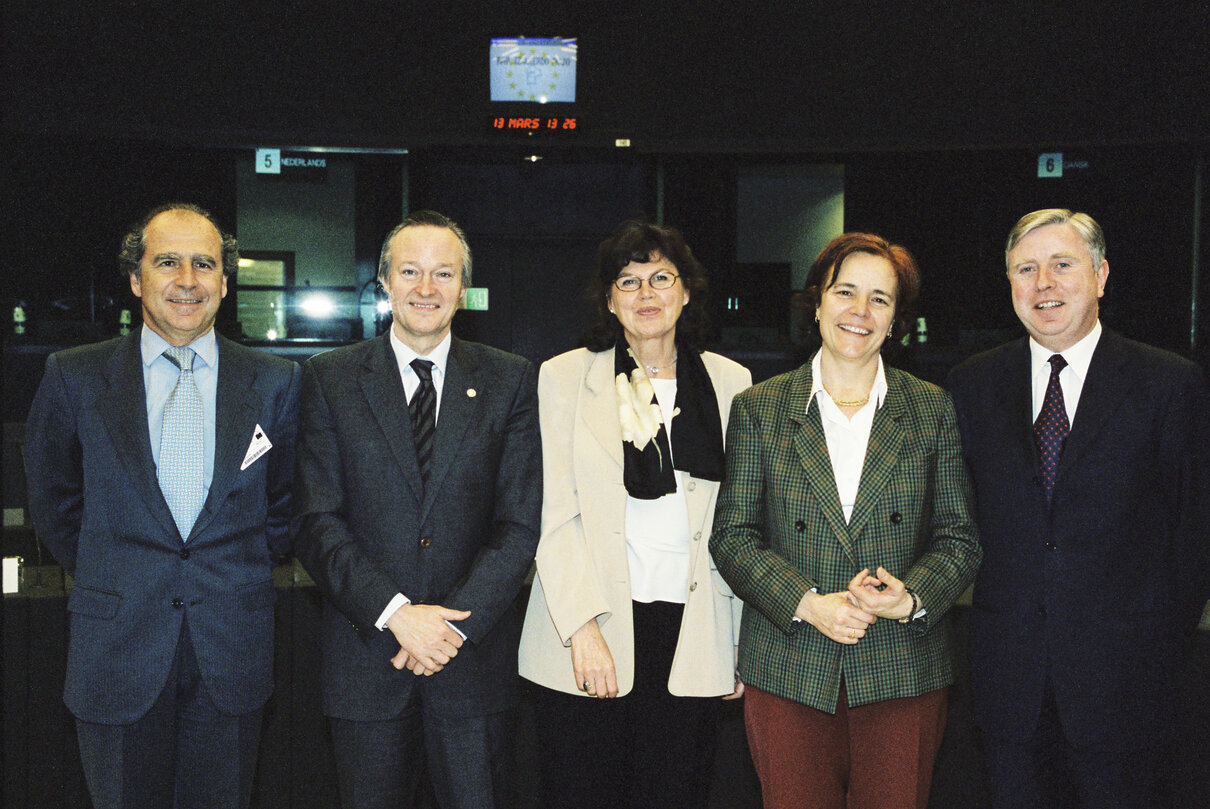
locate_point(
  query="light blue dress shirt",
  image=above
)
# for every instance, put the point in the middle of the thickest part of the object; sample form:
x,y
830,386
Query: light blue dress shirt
x,y
159,379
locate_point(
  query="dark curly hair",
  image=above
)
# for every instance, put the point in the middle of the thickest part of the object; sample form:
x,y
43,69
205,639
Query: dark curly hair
x,y
134,243
641,242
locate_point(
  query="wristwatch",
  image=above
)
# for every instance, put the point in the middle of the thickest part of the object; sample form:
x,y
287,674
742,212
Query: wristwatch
x,y
918,610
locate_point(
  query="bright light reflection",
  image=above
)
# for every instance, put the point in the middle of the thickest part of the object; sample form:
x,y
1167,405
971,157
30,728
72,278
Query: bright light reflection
x,y
271,334
383,307
317,305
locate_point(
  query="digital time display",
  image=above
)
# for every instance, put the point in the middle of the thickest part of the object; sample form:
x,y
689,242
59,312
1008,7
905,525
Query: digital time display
x,y
535,125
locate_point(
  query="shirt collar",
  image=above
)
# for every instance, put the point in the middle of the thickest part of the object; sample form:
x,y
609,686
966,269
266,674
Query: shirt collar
x,y
153,346
877,392
439,356
1078,356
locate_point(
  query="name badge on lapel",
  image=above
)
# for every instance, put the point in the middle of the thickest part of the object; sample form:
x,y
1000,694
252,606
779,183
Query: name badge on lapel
x,y
259,446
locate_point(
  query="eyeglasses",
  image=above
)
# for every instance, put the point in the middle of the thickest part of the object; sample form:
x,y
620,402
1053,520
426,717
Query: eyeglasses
x,y
658,280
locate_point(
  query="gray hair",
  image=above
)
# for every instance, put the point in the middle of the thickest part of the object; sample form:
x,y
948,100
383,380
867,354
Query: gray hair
x,y
1090,232
433,219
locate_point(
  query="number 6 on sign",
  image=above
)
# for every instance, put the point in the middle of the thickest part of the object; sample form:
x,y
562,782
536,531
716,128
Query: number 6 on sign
x,y
1050,164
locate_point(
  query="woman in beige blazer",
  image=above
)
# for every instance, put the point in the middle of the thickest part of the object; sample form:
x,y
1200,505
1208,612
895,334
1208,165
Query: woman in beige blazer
x,y
630,630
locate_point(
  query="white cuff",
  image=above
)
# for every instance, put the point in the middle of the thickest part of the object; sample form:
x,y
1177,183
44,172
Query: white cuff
x,y
395,603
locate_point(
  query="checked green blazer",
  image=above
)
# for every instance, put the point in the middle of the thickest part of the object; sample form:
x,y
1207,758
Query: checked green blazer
x,y
779,531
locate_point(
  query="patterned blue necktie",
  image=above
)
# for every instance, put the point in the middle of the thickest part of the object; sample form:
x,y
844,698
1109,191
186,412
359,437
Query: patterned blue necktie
x,y
180,469
1051,428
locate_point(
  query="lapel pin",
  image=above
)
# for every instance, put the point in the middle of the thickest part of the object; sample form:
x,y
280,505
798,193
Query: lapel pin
x,y
471,393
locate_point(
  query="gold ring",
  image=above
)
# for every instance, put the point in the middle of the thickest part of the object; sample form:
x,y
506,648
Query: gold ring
x,y
586,685
852,634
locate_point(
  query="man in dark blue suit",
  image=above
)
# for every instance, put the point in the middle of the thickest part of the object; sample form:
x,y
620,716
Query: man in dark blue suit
x,y
159,469
417,503
1090,456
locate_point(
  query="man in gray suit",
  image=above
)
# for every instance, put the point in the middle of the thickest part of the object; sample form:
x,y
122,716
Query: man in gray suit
x,y
417,507
159,469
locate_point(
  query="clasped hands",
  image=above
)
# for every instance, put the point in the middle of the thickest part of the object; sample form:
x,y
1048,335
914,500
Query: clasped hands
x,y
845,616
427,642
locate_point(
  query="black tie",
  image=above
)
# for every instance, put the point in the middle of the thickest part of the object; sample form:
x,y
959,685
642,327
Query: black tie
x,y
423,408
1051,428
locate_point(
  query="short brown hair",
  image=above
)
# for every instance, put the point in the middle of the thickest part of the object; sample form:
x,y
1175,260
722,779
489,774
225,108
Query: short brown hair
x,y
907,274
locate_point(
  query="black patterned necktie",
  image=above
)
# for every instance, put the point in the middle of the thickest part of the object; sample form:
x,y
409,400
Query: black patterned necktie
x,y
423,408
1052,427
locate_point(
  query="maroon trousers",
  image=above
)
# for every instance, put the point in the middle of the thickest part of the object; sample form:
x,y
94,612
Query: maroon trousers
x,y
875,756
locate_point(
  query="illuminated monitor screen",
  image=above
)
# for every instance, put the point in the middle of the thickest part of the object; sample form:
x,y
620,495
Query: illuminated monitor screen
x,y
537,70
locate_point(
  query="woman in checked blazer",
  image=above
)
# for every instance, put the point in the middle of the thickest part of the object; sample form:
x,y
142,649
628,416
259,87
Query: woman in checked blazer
x,y
845,524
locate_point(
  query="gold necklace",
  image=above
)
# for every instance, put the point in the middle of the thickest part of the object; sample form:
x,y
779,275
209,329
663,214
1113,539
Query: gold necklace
x,y
842,403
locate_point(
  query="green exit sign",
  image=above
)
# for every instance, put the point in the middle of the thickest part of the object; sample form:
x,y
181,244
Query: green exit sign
x,y
476,299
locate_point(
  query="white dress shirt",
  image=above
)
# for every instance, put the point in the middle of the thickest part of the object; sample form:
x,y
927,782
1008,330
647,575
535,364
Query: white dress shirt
x,y
847,438
657,531
1071,378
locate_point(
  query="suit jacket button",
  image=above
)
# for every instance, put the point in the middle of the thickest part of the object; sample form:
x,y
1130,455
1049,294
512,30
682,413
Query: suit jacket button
x,y
425,542
1050,546
1037,480
799,525
697,536
693,587
184,553
896,518
692,485
178,603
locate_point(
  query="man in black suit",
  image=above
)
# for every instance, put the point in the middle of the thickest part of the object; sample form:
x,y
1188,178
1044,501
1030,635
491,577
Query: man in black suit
x,y
159,469
1089,454
418,496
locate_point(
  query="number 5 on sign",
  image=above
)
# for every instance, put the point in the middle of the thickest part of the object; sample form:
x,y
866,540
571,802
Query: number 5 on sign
x,y
268,161
1050,165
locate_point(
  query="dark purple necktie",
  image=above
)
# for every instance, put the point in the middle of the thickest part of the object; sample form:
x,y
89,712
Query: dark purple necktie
x,y
423,408
1052,427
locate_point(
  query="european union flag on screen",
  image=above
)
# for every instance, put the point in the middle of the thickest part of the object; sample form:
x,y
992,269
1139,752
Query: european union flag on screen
x,y
538,70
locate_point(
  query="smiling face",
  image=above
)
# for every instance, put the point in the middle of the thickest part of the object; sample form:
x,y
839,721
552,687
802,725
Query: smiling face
x,y
648,314
856,312
180,279
1055,286
424,284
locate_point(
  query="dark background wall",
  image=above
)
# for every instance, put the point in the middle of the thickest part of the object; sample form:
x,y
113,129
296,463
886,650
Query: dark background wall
x,y
674,74
936,110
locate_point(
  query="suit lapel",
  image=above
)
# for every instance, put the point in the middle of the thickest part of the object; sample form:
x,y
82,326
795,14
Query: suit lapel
x,y
882,454
1017,390
383,389
698,500
812,449
458,408
235,411
1101,395
124,410
600,407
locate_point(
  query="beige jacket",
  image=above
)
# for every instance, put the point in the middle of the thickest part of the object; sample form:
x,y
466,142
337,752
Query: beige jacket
x,y
582,567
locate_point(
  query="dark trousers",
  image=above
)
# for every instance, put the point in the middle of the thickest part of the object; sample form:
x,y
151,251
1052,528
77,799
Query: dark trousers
x,y
183,754
379,763
646,749
1046,770
871,757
